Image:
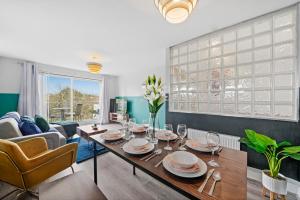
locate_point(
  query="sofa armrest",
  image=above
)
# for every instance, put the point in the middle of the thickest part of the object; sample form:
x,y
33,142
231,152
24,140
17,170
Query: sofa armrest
x,y
60,129
54,139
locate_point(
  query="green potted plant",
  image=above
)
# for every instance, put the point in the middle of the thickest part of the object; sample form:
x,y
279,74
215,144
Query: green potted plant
x,y
275,153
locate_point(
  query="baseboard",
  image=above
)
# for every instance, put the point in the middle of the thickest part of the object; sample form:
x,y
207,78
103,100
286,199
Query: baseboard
x,y
292,187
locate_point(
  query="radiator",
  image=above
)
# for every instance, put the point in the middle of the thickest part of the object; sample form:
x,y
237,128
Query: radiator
x,y
228,141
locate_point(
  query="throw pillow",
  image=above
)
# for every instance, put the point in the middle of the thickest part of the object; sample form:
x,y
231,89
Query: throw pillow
x,y
42,123
27,119
28,127
13,115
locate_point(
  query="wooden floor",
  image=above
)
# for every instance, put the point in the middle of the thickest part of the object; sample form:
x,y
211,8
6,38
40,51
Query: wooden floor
x,y
116,181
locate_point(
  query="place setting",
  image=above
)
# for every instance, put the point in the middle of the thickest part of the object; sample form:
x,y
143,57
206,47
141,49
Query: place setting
x,y
138,146
176,159
113,136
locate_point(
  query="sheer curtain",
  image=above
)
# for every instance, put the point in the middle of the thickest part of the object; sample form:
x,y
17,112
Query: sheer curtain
x,y
29,99
109,90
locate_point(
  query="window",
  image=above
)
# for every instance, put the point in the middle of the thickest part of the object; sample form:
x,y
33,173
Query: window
x,y
249,69
69,98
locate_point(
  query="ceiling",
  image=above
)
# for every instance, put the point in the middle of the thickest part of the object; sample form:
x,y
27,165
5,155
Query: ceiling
x,y
122,34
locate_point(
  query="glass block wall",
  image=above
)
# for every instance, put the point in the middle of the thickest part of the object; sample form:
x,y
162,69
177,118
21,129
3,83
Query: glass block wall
x,y
249,69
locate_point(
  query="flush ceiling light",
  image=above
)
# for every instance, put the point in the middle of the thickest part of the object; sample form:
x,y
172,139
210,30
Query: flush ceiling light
x,y
175,11
94,67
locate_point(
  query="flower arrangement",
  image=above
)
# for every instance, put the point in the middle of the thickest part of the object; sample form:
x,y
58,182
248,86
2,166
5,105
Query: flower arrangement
x,y
154,94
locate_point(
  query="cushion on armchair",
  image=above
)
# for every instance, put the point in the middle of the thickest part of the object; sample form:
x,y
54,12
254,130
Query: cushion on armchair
x,y
42,123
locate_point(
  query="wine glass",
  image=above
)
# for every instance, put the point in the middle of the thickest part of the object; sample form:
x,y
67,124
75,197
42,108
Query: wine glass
x,y
181,131
213,144
168,133
145,123
132,123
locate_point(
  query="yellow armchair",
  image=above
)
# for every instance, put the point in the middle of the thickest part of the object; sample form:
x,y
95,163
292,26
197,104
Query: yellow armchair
x,y
27,163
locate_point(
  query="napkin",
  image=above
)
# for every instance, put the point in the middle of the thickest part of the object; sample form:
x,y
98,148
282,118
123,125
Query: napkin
x,y
138,129
142,148
115,135
193,169
196,144
162,136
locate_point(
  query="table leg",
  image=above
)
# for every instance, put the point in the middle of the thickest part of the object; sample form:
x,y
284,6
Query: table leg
x,y
95,163
133,170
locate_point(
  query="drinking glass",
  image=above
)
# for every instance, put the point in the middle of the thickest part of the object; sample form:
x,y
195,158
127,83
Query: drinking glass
x,y
168,133
213,143
181,131
132,123
145,123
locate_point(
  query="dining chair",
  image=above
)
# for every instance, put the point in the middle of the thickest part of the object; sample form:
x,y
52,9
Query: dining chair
x,y
27,163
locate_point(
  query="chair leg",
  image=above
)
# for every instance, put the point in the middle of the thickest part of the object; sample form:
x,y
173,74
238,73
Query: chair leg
x,y
72,169
23,193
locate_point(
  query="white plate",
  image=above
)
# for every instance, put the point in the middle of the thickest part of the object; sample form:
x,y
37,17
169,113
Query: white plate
x,y
134,130
201,172
129,149
184,158
172,137
138,142
111,139
198,148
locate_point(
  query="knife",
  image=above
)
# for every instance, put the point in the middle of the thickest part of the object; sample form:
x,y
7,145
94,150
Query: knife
x,y
209,173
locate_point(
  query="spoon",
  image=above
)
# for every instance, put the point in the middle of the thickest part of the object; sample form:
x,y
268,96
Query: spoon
x,y
157,152
216,177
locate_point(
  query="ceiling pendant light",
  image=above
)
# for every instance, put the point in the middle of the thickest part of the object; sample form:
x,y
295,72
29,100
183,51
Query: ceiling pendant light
x,y
94,67
175,11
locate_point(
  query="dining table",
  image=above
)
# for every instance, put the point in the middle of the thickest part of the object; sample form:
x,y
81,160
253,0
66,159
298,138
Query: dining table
x,y
233,170
62,112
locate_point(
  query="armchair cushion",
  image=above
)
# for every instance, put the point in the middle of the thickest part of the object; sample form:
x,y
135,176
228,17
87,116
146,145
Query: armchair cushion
x,y
33,146
42,123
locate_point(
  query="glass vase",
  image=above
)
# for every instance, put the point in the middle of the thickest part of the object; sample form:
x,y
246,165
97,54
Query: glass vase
x,y
153,127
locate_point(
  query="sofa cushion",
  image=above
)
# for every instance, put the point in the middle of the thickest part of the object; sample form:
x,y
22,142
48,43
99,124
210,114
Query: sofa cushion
x,y
9,128
27,127
14,115
41,123
27,118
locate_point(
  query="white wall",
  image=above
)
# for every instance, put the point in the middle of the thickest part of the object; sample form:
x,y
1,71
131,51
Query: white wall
x,y
137,68
10,74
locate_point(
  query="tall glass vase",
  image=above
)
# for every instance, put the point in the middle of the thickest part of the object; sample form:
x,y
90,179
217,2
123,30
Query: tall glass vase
x,y
153,127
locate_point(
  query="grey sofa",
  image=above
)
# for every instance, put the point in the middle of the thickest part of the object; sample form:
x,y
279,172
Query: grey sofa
x,y
9,129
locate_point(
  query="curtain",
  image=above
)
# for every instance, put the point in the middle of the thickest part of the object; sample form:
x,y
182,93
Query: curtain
x,y
29,99
109,90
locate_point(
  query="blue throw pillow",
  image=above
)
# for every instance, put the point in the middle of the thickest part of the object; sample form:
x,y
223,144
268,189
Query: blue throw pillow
x,y
27,118
13,115
27,127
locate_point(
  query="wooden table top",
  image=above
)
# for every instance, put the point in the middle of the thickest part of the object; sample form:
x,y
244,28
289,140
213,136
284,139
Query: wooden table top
x,y
233,185
88,130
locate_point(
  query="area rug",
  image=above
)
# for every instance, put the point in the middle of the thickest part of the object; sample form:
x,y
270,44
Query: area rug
x,y
85,150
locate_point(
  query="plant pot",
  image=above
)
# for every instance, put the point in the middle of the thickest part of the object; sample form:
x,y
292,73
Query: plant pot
x,y
278,186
